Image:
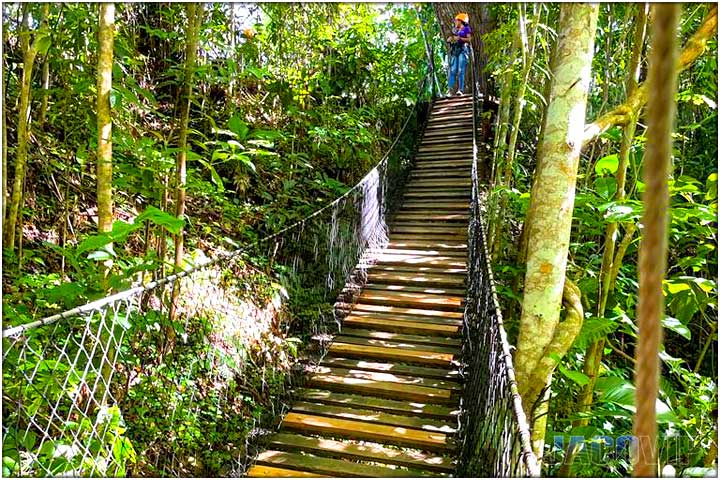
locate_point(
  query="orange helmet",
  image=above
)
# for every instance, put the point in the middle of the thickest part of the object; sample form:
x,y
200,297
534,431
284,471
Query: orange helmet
x,y
249,32
463,17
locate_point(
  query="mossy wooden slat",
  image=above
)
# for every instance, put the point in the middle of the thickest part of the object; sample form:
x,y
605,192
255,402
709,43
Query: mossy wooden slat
x,y
333,467
403,337
384,376
395,368
420,439
408,327
450,244
414,289
436,162
399,345
432,194
420,357
354,450
266,471
373,416
415,408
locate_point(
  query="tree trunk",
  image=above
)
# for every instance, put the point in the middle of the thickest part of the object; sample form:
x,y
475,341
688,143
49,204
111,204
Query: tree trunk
x,y
104,117
29,51
194,18
551,205
4,126
106,27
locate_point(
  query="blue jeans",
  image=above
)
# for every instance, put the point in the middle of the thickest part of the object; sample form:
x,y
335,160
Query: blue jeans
x,y
457,64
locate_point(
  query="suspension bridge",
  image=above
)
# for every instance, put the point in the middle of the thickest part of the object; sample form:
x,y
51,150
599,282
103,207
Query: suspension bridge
x,y
413,378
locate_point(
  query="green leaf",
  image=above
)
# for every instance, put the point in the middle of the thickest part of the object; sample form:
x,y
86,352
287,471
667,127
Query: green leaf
x,y
605,187
607,164
238,127
42,42
172,224
577,377
676,326
92,243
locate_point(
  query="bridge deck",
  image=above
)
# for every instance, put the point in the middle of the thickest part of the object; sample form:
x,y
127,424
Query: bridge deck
x,y
384,402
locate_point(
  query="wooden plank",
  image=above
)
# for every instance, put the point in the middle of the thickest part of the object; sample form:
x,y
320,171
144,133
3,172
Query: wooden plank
x,y
419,312
417,227
420,357
413,289
423,260
445,205
266,471
453,271
438,194
429,216
373,416
433,441
425,252
448,137
333,467
400,317
402,326
383,376
438,182
436,281
396,368
400,345
357,451
442,246
433,161
418,409
413,300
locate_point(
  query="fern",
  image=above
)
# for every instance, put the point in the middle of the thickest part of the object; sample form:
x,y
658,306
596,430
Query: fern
x,y
593,328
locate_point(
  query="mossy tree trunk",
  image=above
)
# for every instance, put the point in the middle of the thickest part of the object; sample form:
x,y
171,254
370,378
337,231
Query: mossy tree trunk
x,y
30,51
104,167
542,335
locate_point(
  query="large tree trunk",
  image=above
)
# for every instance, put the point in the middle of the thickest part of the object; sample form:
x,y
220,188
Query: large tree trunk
x,y
4,126
30,51
551,205
481,23
194,19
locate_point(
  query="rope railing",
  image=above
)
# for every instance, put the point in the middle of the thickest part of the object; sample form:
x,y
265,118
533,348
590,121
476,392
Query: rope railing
x,y
494,433
93,392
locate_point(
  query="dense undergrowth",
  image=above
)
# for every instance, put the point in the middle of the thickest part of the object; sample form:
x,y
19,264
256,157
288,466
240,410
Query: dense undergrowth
x,y
285,116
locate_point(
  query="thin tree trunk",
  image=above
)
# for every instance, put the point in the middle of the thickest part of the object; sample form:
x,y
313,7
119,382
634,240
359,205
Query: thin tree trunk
x,y
29,51
593,357
46,87
552,202
194,16
104,117
4,127
106,27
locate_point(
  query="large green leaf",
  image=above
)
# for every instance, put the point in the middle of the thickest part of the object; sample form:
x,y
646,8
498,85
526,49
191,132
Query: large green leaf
x,y
676,326
153,214
607,165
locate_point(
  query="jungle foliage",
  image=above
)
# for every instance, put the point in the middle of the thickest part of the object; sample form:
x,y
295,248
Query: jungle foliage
x,y
609,194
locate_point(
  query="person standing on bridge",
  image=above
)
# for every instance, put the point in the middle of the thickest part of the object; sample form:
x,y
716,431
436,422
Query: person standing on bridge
x,y
459,55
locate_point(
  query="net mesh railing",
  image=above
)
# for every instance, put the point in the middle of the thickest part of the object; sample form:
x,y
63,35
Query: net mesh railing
x,y
494,436
118,388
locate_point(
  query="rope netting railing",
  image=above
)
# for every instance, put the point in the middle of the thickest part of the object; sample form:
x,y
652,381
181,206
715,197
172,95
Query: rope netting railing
x,y
95,391
494,434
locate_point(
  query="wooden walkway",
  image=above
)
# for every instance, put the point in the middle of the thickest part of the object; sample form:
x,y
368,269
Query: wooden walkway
x,y
384,402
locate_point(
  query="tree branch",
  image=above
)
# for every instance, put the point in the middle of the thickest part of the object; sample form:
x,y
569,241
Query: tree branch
x,y
622,114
